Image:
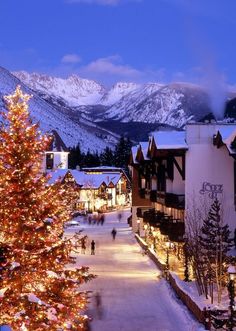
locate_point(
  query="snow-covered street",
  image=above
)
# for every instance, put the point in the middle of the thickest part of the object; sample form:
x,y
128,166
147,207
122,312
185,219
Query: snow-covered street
x,y
134,297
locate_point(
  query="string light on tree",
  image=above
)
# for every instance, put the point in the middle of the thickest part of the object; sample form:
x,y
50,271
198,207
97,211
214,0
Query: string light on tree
x,y
37,291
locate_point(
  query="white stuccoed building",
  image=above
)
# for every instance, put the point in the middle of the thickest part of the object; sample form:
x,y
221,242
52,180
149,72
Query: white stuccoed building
x,y
57,155
210,168
180,173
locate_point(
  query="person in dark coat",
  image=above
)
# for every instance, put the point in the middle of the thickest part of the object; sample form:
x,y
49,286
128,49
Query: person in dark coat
x,y
119,217
113,233
83,245
92,247
102,219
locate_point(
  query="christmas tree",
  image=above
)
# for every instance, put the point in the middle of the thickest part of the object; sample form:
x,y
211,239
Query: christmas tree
x,y
39,285
215,242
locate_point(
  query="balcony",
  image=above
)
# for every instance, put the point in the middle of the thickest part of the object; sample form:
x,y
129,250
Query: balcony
x,y
153,217
153,196
142,193
147,194
171,200
102,196
173,228
175,200
141,211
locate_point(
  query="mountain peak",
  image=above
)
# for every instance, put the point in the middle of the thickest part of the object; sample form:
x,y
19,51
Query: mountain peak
x,y
74,90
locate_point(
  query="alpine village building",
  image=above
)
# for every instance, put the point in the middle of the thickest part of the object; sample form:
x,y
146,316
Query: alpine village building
x,y
178,173
99,189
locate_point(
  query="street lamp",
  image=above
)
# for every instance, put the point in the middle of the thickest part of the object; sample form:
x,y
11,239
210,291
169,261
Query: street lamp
x,y
138,222
232,277
168,246
145,229
186,259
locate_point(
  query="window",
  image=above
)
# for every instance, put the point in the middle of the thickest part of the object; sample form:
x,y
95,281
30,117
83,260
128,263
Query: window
x,y
49,160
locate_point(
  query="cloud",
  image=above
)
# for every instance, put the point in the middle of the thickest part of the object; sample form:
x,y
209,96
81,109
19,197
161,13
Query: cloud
x,y
111,65
102,2
71,58
107,70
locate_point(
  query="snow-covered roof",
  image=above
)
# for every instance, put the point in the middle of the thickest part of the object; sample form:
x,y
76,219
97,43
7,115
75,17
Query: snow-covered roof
x,y
90,180
170,139
57,144
134,150
56,175
144,148
228,134
103,168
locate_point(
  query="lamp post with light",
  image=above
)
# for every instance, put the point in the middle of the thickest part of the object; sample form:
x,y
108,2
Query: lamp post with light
x,y
168,246
186,259
232,277
138,222
145,233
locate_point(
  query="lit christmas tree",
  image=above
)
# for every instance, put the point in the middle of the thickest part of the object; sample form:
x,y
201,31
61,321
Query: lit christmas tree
x,y
39,285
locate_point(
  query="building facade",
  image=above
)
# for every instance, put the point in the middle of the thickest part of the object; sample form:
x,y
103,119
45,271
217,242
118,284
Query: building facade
x,y
56,157
176,173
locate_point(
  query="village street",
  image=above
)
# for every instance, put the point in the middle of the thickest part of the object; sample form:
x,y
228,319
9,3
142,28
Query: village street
x,y
134,297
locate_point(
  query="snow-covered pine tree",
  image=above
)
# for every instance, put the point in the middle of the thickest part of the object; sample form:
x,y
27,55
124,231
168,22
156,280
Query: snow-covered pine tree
x,y
39,283
215,242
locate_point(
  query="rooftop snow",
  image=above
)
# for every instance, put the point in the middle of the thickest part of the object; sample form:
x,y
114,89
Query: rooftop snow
x,y
228,133
134,150
170,139
144,147
88,180
56,175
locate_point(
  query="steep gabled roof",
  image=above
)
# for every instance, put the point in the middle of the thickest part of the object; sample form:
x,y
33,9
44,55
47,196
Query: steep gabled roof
x,y
142,151
133,155
57,175
57,144
226,135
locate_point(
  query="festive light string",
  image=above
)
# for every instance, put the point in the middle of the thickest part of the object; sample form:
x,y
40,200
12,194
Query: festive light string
x,y
37,290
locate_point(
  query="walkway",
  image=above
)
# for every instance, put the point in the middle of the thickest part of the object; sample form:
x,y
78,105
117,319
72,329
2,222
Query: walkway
x,y
133,294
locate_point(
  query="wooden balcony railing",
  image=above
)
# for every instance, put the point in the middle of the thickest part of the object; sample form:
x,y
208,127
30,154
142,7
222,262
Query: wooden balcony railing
x,y
142,193
153,196
171,200
173,228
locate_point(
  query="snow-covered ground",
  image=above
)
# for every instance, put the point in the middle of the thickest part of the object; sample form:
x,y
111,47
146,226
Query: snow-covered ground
x,y
133,294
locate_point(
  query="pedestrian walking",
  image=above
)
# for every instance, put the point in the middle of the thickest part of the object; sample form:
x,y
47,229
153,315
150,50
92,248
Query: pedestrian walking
x,y
83,245
98,304
92,247
102,219
119,217
113,233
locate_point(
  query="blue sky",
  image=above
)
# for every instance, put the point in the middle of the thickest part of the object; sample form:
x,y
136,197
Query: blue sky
x,y
121,40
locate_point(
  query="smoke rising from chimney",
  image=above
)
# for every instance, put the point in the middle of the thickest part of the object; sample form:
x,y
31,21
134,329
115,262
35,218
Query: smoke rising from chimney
x,y
214,83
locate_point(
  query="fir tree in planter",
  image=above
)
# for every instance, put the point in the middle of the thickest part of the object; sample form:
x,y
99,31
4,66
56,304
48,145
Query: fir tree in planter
x,y
215,242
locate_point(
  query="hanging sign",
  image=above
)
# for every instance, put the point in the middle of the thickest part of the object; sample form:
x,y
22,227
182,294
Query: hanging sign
x,y
212,190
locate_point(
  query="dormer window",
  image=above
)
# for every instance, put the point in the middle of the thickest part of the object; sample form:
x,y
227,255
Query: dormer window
x,y
49,161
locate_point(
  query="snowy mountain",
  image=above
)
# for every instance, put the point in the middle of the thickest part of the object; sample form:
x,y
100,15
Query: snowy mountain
x,y
172,104
151,103
117,92
59,117
125,106
73,90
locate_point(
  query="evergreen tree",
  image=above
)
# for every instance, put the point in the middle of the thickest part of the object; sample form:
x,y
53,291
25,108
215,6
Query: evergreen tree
x,y
91,160
37,291
107,157
76,157
215,242
122,153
